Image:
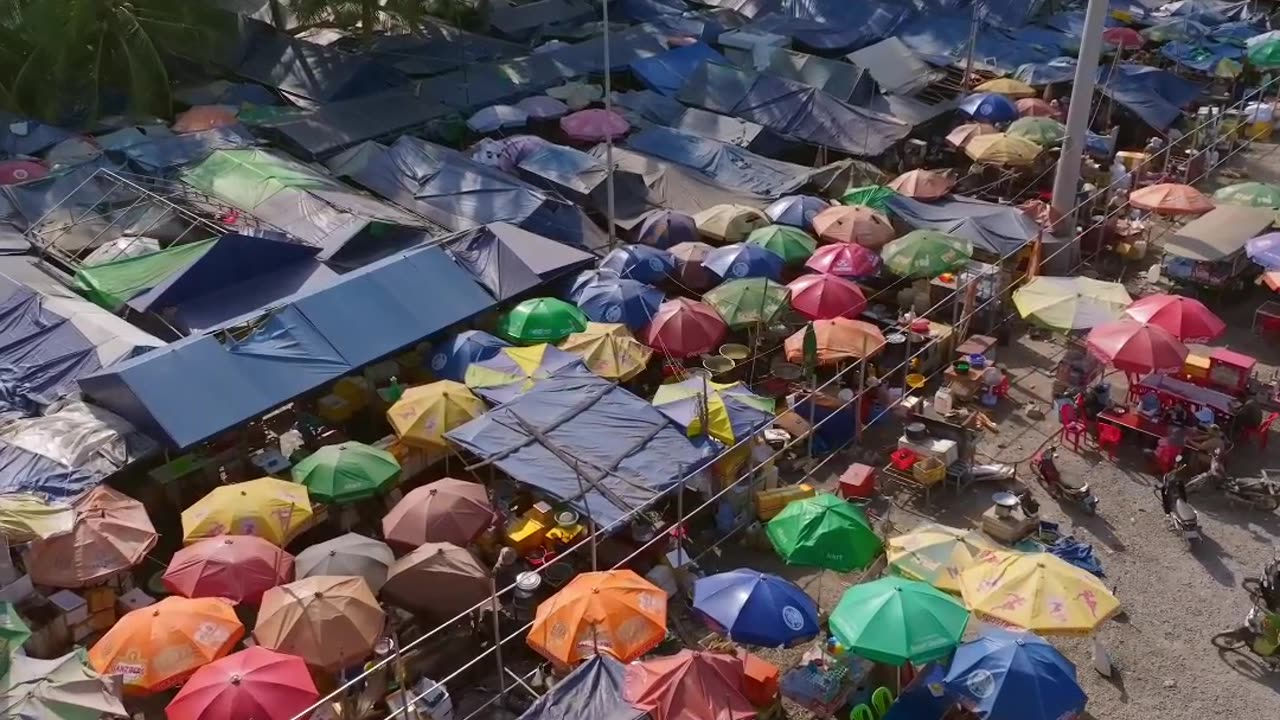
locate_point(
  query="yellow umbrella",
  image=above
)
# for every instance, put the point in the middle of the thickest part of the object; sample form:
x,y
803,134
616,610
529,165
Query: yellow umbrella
x,y
271,509
729,223
424,413
609,350
1008,87
1002,149
1038,592
937,554
25,517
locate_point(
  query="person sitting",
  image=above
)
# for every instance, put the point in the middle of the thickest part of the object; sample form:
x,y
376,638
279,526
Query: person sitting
x,y
1097,399
1249,414
1149,405
1177,415
1205,443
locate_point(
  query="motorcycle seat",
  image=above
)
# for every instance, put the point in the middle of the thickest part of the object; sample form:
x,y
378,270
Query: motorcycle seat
x,y
1073,483
1184,512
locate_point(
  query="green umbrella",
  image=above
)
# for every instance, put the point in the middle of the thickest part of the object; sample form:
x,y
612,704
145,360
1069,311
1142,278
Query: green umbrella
x,y
1042,131
895,621
873,196
791,244
926,254
346,472
824,531
1255,194
13,633
749,301
1264,55
540,320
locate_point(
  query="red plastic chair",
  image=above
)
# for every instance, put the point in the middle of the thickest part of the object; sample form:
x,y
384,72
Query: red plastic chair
x,y
1073,428
1262,433
1109,437
1002,388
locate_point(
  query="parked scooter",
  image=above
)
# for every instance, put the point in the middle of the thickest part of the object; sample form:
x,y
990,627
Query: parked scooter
x,y
1173,499
1259,635
1264,591
1262,493
1045,467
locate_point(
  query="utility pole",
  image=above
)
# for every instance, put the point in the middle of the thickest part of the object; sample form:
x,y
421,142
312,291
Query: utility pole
x,y
1067,177
967,83
608,140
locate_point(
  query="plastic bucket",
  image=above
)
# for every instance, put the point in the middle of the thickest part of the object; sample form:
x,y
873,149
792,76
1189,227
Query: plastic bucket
x,y
719,365
915,381
735,351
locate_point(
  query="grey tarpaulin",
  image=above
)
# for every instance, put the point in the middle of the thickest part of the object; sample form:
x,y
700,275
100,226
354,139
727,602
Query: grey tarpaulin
x,y
725,164
339,125
509,261
674,187
595,690
995,228
894,67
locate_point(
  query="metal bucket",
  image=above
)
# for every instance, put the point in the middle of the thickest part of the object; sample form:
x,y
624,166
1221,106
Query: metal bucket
x,y
719,366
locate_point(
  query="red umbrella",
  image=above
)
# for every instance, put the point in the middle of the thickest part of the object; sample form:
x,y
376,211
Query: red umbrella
x,y
854,224
1186,319
1136,347
683,328
255,683
13,172
1035,107
594,125
847,260
236,567
823,297
1171,199
447,510
689,270
689,686
1123,37
922,184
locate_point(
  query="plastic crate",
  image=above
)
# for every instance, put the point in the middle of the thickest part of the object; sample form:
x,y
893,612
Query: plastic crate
x,y
928,471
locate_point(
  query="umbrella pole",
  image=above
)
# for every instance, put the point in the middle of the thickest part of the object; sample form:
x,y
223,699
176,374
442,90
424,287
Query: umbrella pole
x,y
608,136
857,400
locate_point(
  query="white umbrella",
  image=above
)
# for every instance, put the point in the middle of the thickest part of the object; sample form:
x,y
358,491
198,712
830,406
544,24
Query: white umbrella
x,y
498,117
350,554
60,689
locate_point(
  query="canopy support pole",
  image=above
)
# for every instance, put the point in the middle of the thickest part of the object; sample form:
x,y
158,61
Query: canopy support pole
x,y
608,137
1067,176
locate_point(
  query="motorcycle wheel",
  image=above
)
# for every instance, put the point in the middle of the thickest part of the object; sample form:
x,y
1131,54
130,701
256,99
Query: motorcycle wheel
x,y
1268,503
1232,639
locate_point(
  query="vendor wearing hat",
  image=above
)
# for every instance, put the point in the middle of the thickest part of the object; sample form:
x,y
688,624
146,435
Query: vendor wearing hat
x,y
1205,443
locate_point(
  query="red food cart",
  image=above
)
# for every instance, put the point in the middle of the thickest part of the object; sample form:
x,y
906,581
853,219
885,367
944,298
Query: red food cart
x,y
1223,370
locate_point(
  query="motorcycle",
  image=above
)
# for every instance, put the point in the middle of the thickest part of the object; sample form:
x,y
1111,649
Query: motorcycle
x,y
1257,635
1181,516
1045,467
1262,493
1264,591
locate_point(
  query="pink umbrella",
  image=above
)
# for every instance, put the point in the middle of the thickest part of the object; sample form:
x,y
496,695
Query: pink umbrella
x,y
922,184
1185,318
968,131
1136,347
13,172
1034,107
689,686
594,125
205,117
847,260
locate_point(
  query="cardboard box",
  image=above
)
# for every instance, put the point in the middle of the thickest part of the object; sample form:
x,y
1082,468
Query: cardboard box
x,y
103,620
135,599
99,598
73,607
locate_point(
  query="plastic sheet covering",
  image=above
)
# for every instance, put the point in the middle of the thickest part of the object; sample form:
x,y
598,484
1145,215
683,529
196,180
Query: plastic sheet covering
x,y
23,136
1156,96
25,517
509,261
724,164
666,73
995,228
943,39
112,284
22,471
595,690
834,26
674,187
162,155
122,248
75,434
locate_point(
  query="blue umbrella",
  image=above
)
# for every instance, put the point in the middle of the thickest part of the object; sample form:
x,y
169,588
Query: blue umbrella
x,y
640,262
587,278
733,262
796,210
629,302
756,608
664,228
450,359
1007,675
990,108
1265,250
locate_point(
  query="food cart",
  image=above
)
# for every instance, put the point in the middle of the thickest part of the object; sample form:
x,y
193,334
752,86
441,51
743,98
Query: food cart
x,y
1208,252
1223,370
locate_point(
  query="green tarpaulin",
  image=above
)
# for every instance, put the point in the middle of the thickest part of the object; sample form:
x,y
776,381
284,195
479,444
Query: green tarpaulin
x,y
114,283
249,178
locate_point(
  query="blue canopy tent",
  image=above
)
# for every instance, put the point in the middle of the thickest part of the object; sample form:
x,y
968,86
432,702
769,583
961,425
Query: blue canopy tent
x,y
997,229
435,48
672,186
336,126
731,130
593,445
23,471
580,177
667,72
595,690
24,136
1201,57
833,26
943,40
725,164
163,155
1156,96
509,261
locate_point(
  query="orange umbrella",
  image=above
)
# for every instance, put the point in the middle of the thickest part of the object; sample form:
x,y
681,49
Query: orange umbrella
x,y
853,223
922,184
158,647
968,131
331,621
1171,199
204,117
112,533
616,611
839,339
1035,107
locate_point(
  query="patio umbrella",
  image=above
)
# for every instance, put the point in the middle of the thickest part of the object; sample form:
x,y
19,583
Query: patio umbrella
x,y
859,224
824,531
755,608
1007,87
158,647
346,472
1034,107
457,580
1175,30
13,172
424,413
25,517
62,688
962,134
990,108
1227,68
729,223
1043,131
514,370
873,196
664,228
796,210
897,621
748,302
349,554
1265,250
587,278
683,328
610,351
451,359
1264,55
937,554
847,260
1005,675
689,270
1064,304
839,339
1254,194
447,510
743,260
926,254
1171,199
331,622
1006,587
577,95
690,686
1185,318
498,117
791,244
594,125
543,107
640,262
541,320
629,302
1002,149
238,568
616,611
1124,38
276,510
823,297
253,684
923,184
204,117
731,411
111,534
13,633
1137,347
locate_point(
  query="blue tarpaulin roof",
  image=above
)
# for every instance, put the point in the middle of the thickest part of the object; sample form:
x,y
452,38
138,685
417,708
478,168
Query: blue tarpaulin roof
x,y
625,453
200,386
724,164
995,228
23,471
1156,96
1058,70
580,177
595,690
337,126
667,72
22,136
164,154
1202,57
509,261
943,39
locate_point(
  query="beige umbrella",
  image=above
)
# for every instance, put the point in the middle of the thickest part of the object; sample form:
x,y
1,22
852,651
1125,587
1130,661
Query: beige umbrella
x,y
59,689
331,621
729,223
25,517
447,510
349,554
112,533
457,580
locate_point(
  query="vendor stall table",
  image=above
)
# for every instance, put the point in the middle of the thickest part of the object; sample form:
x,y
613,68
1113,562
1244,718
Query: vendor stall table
x,y
823,684
1136,422
1194,395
